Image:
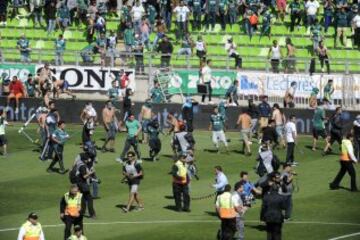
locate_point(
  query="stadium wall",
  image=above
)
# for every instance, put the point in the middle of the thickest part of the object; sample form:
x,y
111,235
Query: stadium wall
x,y
70,111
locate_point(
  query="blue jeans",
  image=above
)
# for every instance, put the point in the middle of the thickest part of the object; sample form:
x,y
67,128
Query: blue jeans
x,y
166,15
25,57
51,25
310,20
211,20
327,22
248,28
157,38
145,39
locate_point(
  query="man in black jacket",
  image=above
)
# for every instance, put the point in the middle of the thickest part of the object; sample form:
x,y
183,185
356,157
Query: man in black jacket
x,y
188,113
165,48
272,213
336,131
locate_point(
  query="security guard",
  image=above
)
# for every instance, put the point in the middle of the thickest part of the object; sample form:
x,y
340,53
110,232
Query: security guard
x,y
78,234
347,158
58,139
31,229
181,185
72,209
226,211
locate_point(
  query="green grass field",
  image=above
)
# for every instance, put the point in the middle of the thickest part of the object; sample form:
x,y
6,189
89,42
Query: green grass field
x,y
25,186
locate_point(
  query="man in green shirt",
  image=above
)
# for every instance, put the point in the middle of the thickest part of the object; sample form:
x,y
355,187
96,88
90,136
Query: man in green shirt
x,y
133,129
316,34
113,93
58,138
328,91
60,45
223,10
129,38
318,124
217,127
295,14
211,13
156,94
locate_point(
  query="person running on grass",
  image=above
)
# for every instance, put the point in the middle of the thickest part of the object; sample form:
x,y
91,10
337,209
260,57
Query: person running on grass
x,y
133,173
244,121
319,125
217,123
108,115
133,130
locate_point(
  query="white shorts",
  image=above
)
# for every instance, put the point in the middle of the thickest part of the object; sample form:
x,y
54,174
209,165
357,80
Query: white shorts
x,y
219,136
134,188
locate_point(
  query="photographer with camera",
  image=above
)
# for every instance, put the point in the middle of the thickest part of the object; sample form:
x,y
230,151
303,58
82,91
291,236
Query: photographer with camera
x,y
83,175
287,188
268,162
133,173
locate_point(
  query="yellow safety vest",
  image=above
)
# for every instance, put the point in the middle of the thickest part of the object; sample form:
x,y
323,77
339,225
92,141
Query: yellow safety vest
x,y
344,150
73,205
182,172
226,206
74,237
32,232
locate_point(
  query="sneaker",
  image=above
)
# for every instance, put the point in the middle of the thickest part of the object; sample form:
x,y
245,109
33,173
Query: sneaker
x,y
119,160
125,209
139,161
294,164
139,209
63,171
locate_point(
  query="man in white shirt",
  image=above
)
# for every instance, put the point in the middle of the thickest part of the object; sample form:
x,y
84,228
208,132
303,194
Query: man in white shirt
x,y
230,48
240,209
291,135
356,27
206,77
137,13
311,7
31,229
182,13
220,179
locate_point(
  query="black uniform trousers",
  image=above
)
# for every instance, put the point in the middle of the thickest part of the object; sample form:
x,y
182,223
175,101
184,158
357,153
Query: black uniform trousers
x,y
228,228
290,152
130,141
273,231
181,196
209,92
345,166
69,221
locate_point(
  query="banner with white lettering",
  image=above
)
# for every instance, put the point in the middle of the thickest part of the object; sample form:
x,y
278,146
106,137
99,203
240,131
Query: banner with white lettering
x,y
92,78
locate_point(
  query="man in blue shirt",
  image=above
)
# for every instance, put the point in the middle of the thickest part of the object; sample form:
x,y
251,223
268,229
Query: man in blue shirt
x,y
264,112
59,50
59,137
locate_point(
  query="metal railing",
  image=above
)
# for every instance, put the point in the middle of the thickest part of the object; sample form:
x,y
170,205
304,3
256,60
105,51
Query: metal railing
x,y
153,59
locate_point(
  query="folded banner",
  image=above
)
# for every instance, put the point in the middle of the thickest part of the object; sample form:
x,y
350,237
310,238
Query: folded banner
x,y
7,71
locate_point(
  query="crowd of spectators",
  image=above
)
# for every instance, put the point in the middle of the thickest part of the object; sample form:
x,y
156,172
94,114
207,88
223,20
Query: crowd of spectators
x,y
139,19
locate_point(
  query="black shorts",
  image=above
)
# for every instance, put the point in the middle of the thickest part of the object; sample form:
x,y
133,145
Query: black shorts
x,y
3,140
319,132
335,137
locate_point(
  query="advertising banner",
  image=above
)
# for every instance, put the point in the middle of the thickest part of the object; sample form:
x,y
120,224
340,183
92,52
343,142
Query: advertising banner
x,y
7,71
91,78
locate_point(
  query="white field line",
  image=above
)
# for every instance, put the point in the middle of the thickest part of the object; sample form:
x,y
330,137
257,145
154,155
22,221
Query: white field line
x,y
346,236
187,221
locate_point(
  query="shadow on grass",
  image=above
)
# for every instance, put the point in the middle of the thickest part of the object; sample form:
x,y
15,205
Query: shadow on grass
x,y
213,214
171,207
259,227
169,197
211,150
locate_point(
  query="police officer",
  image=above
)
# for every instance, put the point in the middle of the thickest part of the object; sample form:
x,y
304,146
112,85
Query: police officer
x,y
181,185
272,207
31,229
58,139
226,210
72,209
78,234
84,176
347,158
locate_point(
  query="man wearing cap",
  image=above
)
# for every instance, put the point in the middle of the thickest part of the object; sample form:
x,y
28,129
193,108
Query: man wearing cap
x,y
133,173
78,234
181,185
31,229
72,209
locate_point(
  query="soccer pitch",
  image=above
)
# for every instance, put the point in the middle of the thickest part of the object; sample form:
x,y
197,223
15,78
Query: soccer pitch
x,y
25,186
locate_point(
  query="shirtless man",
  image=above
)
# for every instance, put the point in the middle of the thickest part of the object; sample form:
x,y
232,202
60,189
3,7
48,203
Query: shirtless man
x,y
108,115
174,128
280,120
62,86
41,118
244,121
145,116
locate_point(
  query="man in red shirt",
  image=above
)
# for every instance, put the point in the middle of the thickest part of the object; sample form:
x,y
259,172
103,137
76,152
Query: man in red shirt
x,y
16,91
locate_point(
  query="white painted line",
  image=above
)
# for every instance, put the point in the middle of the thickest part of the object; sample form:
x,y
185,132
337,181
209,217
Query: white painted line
x,y
346,236
186,221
